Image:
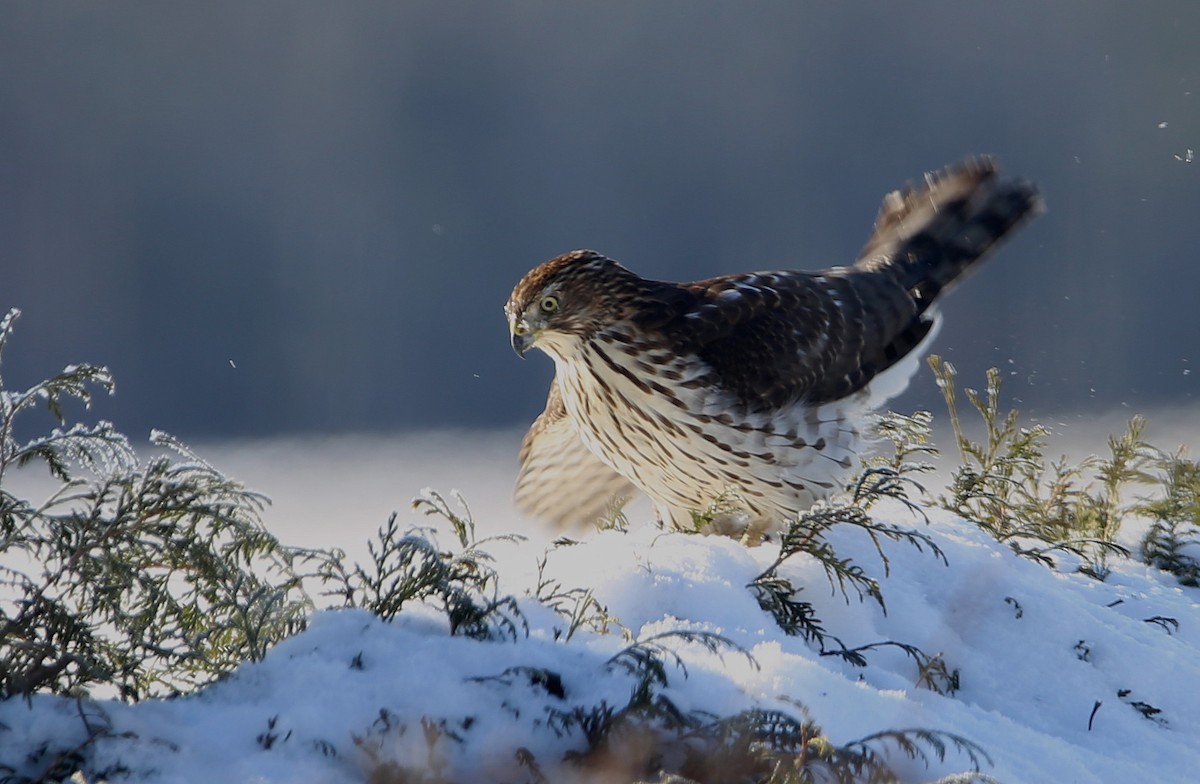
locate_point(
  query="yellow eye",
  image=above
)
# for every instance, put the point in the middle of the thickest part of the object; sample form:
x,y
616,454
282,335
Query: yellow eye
x,y
549,304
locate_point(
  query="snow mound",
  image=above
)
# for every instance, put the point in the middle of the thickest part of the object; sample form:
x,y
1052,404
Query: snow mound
x,y
1059,677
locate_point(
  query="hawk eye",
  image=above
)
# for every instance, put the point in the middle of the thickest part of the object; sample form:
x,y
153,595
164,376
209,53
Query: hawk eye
x,y
549,304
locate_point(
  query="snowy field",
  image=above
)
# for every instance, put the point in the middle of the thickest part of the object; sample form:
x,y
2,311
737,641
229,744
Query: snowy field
x,y
1060,678
336,492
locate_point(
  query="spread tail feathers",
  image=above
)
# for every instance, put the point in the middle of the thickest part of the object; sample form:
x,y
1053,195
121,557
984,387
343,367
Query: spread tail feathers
x,y
932,234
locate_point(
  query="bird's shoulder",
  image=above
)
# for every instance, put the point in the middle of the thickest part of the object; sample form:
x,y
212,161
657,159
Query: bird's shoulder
x,y
765,335
729,303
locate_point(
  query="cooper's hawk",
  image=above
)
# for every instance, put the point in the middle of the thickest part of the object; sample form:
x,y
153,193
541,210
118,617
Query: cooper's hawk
x,y
749,388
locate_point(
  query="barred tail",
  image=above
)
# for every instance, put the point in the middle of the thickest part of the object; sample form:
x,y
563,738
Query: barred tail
x,y
930,236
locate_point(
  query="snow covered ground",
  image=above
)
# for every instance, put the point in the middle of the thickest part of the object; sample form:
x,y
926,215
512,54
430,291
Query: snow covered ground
x,y
1056,671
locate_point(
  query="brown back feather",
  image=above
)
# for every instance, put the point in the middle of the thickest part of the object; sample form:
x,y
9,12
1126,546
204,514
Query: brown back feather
x,y
790,336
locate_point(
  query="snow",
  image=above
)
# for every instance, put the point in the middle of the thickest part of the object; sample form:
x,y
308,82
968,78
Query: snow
x,y
1015,631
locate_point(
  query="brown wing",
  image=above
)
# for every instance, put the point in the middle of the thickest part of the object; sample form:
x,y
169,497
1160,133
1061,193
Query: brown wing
x,y
776,338
771,337
561,481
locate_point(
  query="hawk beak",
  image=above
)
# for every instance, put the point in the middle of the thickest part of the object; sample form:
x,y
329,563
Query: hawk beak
x,y
522,338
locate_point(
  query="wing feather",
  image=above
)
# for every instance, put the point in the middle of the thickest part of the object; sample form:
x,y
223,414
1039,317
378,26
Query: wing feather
x,y
776,338
561,482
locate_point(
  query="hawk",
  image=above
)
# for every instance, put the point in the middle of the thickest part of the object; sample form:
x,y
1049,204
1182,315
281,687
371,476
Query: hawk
x,y
751,389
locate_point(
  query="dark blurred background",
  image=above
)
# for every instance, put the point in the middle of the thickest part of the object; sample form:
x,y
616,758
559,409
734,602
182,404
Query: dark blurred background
x,y
304,217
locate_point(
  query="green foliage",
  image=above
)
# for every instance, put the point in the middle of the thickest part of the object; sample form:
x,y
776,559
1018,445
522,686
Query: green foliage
x,y
59,759
910,440
610,732
1147,710
647,659
651,739
614,518
578,606
436,736
150,577
1172,542
1007,485
411,567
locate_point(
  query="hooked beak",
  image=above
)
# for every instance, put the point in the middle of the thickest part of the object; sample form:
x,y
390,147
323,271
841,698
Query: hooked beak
x,y
522,337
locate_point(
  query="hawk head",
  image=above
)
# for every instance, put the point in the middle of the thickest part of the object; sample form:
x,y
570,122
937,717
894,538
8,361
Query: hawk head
x,y
567,299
